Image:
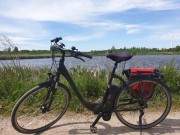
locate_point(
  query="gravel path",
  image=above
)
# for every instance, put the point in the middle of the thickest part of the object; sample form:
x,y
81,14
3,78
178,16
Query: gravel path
x,y
78,124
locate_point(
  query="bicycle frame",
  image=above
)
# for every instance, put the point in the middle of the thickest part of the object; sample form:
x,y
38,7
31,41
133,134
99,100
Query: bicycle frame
x,y
62,70
110,94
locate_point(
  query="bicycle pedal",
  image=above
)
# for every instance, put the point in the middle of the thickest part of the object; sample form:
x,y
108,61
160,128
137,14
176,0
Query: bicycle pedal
x,y
93,129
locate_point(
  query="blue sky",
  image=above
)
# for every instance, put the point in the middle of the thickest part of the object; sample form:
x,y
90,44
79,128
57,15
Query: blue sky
x,y
91,24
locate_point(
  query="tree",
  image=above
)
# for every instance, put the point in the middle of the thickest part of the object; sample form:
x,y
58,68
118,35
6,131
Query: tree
x,y
113,48
15,49
9,49
25,51
177,48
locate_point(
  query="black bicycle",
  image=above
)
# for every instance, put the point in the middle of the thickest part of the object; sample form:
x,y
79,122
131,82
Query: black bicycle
x,y
141,102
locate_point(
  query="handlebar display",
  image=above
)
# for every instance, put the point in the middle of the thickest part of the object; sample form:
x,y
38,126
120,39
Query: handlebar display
x,y
56,40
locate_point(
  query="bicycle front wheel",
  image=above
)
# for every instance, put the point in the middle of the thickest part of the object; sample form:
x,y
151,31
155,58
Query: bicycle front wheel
x,y
40,108
158,103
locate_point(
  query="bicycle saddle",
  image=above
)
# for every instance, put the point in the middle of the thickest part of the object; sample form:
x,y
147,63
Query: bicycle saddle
x,y
118,57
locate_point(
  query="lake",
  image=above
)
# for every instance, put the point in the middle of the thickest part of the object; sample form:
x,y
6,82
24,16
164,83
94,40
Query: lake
x,y
155,61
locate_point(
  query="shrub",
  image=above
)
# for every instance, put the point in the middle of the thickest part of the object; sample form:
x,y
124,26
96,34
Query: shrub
x,y
171,76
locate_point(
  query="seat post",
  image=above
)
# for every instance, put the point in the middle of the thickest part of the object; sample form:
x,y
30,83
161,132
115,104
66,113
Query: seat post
x,y
112,74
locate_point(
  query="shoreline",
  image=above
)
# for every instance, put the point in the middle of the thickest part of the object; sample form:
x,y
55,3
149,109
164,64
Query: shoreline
x,y
32,56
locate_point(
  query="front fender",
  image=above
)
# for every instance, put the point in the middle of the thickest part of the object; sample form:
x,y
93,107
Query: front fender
x,y
44,84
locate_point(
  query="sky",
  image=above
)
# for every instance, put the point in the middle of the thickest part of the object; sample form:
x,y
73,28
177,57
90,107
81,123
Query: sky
x,y
91,24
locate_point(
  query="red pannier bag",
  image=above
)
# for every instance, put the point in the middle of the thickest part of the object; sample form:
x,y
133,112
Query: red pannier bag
x,y
143,89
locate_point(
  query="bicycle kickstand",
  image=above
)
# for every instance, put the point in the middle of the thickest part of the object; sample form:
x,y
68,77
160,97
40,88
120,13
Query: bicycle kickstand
x,y
140,119
93,128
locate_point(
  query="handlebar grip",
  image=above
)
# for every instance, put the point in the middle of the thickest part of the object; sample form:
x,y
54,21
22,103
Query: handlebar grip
x,y
85,55
56,39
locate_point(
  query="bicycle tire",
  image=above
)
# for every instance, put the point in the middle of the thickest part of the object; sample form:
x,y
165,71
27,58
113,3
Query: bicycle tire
x,y
27,119
156,110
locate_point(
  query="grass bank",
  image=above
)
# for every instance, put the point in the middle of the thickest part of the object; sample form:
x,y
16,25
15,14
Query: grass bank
x,y
23,56
6,56
16,80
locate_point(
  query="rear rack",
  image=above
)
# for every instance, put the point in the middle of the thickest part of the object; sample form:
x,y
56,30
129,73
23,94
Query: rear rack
x,y
142,72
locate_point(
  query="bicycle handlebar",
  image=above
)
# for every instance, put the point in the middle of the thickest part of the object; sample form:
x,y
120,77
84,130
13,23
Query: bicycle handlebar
x,y
77,53
73,52
85,55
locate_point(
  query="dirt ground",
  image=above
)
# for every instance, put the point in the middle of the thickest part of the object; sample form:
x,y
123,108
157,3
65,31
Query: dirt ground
x,y
78,124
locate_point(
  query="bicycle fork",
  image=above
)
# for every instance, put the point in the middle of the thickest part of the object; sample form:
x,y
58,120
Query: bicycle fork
x,y
46,105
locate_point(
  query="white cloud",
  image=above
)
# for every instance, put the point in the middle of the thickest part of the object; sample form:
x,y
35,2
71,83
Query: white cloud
x,y
24,34
75,11
162,39
9,29
40,10
130,28
23,31
20,40
79,11
22,43
166,36
85,13
83,37
133,31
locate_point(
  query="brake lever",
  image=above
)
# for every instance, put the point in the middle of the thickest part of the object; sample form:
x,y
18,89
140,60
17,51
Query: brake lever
x,y
63,45
79,58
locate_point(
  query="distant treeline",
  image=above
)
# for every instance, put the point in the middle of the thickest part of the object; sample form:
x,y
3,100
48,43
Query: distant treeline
x,y
11,51
139,51
24,54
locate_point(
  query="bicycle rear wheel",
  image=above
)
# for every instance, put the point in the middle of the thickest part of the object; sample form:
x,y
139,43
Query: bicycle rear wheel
x,y
158,105
39,108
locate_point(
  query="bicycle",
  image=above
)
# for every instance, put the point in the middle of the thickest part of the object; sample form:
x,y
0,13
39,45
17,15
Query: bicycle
x,y
134,100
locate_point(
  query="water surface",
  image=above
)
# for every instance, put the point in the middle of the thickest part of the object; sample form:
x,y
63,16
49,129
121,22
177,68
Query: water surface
x,y
155,61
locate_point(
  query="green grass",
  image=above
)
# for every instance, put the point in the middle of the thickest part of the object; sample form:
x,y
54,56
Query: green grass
x,y
23,56
172,79
171,76
16,80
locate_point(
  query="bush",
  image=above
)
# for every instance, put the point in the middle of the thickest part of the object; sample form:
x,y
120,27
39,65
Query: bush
x,y
171,76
